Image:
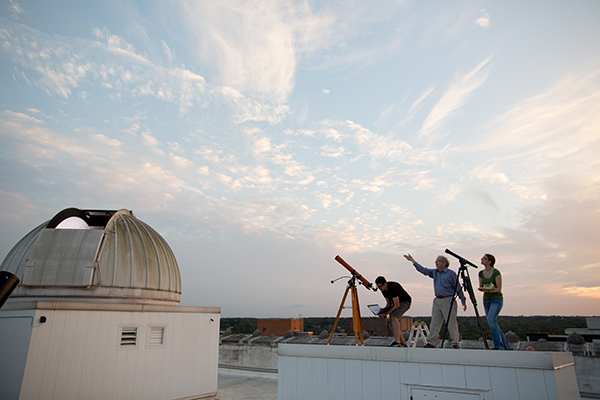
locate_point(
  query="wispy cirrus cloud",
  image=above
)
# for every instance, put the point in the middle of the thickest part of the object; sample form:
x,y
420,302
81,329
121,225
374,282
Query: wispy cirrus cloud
x,y
254,48
456,96
557,122
553,135
417,104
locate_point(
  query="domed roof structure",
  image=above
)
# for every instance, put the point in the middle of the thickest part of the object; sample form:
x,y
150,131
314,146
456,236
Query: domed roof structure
x,y
95,255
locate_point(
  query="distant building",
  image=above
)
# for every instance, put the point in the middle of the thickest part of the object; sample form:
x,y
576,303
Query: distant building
x,y
592,333
97,315
279,326
376,326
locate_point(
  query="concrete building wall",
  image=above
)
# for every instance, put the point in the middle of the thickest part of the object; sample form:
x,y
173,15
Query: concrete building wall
x,y
360,372
15,335
77,353
248,352
588,376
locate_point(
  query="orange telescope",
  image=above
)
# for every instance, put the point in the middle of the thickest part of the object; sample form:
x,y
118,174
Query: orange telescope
x,y
354,272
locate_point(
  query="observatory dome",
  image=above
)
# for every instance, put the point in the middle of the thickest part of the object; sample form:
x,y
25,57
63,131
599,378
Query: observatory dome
x,y
94,255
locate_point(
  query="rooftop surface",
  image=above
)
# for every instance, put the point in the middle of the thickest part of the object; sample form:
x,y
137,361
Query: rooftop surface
x,y
250,385
242,385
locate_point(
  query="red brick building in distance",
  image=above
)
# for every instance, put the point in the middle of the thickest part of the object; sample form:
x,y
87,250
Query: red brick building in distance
x,y
376,326
279,327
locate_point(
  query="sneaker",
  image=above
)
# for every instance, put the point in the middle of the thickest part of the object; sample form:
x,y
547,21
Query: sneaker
x,y
456,346
403,345
429,346
394,344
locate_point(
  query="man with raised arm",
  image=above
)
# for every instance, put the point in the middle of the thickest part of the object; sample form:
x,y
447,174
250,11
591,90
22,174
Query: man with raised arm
x,y
444,284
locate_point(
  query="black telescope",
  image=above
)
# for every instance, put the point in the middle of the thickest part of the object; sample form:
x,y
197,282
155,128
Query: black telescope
x,y
462,260
355,273
8,283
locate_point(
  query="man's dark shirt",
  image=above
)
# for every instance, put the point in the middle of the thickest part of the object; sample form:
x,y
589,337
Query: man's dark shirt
x,y
396,290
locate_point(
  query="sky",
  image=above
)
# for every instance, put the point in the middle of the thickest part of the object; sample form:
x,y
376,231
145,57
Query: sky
x,y
262,139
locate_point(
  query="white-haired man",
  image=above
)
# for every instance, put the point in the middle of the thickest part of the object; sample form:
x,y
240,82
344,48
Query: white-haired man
x,y
444,285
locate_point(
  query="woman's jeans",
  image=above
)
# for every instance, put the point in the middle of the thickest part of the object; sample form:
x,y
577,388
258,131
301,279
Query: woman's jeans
x,y
492,309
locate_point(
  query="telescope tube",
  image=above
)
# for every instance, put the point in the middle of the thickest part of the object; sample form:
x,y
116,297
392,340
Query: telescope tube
x,y
463,260
354,272
8,283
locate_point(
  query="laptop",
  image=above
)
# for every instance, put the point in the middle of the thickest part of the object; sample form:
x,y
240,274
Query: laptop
x,y
374,308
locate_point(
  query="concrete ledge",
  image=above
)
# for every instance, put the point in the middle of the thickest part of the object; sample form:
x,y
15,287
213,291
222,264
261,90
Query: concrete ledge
x,y
98,305
480,358
234,369
261,352
357,372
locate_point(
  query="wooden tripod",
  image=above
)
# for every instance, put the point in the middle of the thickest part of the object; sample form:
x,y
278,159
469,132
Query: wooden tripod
x,y
356,320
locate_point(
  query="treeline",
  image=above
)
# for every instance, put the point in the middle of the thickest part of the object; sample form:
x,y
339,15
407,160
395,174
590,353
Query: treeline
x,y
468,326
553,325
315,324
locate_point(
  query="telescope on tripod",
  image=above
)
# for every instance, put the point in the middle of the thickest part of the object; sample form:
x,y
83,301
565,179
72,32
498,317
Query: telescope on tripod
x,y
351,286
463,273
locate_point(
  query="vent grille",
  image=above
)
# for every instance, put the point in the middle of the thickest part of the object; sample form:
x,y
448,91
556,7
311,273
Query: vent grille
x,y
129,336
157,336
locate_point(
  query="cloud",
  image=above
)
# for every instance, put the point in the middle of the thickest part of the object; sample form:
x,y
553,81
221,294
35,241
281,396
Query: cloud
x,y
588,292
16,8
558,122
88,163
381,147
33,143
456,96
61,64
551,135
150,140
418,103
450,193
567,225
20,116
257,48
181,162
264,150
167,51
104,140
253,47
332,151
249,109
488,173
484,20
117,44
205,170
262,145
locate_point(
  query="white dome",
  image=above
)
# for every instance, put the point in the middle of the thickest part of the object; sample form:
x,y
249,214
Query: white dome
x,y
95,255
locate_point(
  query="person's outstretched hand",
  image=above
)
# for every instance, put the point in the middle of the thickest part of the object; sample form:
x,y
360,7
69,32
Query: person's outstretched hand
x,y
410,258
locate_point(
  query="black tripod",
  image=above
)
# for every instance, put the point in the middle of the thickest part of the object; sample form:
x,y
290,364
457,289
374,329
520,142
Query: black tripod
x,y
463,273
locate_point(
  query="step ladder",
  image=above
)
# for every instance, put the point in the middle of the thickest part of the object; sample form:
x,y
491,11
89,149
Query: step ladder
x,y
418,330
